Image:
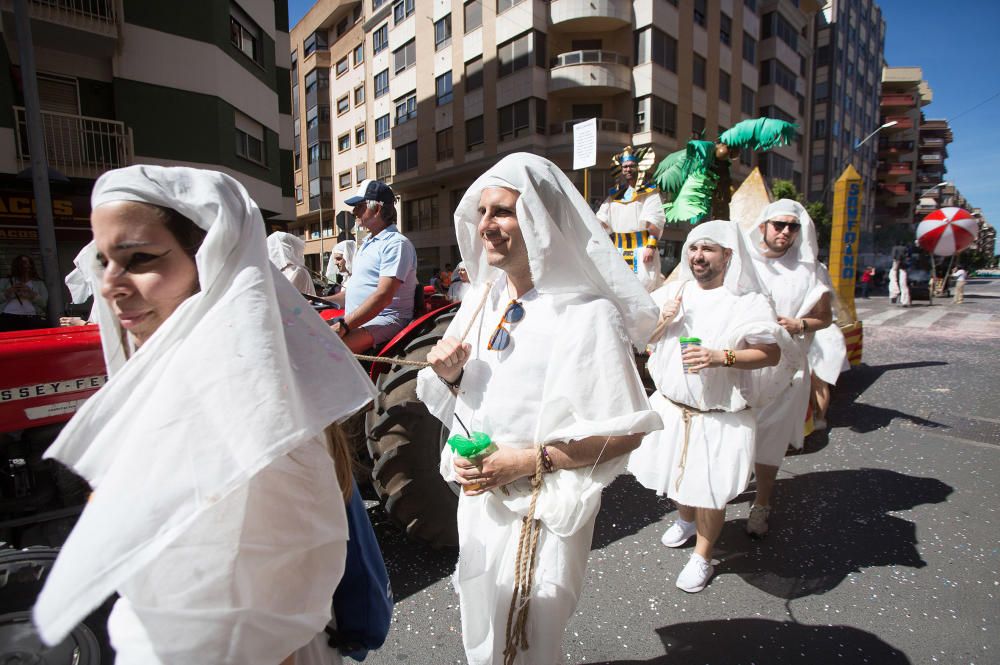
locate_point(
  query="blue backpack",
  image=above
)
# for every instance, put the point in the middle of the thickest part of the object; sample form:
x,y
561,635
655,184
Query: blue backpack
x,y
362,603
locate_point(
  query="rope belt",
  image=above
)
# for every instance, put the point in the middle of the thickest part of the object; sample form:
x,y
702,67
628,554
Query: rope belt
x,y
629,245
687,413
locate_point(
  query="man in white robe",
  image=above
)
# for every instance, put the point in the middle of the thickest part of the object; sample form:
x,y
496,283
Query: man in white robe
x,y
546,370
784,249
703,456
287,253
633,214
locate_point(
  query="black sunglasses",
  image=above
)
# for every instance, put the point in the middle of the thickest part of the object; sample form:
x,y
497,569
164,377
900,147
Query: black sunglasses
x,y
500,339
793,227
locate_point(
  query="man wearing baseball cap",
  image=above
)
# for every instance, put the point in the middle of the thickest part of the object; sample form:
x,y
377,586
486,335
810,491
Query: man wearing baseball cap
x,y
379,300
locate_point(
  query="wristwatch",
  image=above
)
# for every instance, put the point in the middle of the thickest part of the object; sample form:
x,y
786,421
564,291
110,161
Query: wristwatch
x,y
343,326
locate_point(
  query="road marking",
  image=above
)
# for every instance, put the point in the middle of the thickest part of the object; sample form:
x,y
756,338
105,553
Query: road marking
x,y
882,317
979,316
926,320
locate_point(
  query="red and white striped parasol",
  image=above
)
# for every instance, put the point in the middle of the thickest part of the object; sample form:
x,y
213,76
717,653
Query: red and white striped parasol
x,y
947,231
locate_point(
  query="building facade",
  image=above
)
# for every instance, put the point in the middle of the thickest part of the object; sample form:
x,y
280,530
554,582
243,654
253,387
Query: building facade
x,y
849,43
190,82
427,94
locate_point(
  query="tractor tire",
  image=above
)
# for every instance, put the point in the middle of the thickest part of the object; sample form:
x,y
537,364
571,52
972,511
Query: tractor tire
x,y
22,575
405,443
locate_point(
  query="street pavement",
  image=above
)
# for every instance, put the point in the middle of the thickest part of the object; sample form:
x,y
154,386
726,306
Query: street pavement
x,y
884,545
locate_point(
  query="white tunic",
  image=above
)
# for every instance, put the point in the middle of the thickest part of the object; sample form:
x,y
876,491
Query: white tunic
x,y
633,216
720,449
794,289
568,374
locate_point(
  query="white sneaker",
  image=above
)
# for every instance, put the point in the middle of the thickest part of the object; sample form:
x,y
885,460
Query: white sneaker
x,y
695,574
757,522
679,533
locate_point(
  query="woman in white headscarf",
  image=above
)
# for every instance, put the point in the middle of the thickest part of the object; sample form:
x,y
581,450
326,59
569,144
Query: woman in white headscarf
x,y
287,253
341,261
703,456
563,384
218,511
460,285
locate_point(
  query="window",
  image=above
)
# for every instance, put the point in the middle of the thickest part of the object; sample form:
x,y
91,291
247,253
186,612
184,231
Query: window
x,y
773,24
774,165
298,193
442,32
655,114
473,132
698,75
402,10
343,105
359,95
360,172
381,83
725,29
406,110
421,214
751,5
725,83
344,179
700,12
342,66
249,138
474,74
504,5
344,142
445,148
315,41
442,89
654,45
697,125
822,91
405,57
382,128
359,54
521,52
473,15
317,80
749,48
513,119
406,157
772,71
747,102
319,151
818,165
383,170
380,39
245,34
359,135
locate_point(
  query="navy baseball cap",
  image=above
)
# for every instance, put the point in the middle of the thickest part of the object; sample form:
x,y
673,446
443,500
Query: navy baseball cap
x,y
372,190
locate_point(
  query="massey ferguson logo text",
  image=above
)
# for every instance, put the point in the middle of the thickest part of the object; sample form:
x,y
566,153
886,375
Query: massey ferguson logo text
x,y
55,388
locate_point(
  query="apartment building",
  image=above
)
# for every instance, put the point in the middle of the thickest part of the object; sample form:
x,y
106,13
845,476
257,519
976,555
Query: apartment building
x,y
202,83
428,94
904,93
849,42
932,150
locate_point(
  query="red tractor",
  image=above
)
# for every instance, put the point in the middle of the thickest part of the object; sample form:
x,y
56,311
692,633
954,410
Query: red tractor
x,y
48,373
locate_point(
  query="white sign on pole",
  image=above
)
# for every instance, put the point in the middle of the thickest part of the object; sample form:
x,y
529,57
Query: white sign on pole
x,y
585,144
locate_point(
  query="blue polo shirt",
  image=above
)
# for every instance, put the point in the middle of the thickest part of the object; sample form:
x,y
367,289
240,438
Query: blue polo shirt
x,y
388,254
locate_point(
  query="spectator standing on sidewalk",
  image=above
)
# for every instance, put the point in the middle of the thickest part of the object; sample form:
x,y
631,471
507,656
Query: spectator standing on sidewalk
x,y
960,275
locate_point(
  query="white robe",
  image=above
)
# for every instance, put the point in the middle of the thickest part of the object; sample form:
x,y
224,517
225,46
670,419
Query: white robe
x,y
568,374
794,288
631,216
458,290
721,442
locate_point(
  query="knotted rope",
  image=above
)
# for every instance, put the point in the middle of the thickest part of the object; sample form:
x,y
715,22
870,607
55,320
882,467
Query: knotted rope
x,y
422,363
524,571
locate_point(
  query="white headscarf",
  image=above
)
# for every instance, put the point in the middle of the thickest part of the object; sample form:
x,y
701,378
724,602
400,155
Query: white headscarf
x,y
242,373
568,251
285,249
805,245
345,248
741,278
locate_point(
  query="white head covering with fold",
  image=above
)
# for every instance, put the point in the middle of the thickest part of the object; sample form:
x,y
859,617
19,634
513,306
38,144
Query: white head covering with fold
x,y
285,249
242,373
740,276
568,250
805,245
347,249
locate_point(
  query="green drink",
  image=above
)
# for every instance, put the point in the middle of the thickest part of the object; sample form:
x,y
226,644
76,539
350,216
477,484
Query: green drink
x,y
474,448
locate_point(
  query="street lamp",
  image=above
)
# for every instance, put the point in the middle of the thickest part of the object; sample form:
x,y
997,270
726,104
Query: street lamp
x,y
891,123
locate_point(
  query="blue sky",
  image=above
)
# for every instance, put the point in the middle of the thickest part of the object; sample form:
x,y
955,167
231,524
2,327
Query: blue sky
x,y
956,44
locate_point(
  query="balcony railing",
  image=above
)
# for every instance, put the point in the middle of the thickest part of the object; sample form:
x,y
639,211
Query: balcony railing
x,y
589,57
895,168
603,125
897,100
76,145
932,158
99,16
902,121
895,189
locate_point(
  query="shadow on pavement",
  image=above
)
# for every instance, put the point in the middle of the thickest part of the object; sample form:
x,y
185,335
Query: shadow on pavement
x,y
626,509
845,410
746,641
412,566
827,525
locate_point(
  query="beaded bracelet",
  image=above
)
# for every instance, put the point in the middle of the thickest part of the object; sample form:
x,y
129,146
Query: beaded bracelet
x,y
546,460
730,358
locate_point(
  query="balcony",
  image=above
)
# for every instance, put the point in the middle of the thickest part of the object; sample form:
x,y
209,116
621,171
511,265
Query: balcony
x,y
611,135
603,125
902,122
75,26
895,168
895,147
78,146
896,99
932,158
895,189
600,73
590,15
